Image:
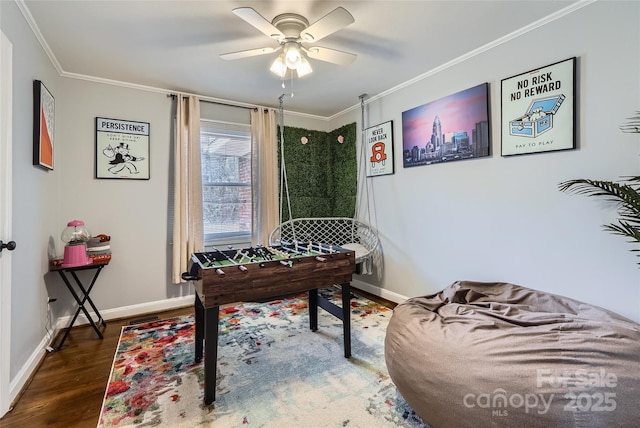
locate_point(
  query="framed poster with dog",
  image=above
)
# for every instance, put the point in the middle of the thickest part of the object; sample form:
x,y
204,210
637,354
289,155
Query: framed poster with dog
x,y
122,149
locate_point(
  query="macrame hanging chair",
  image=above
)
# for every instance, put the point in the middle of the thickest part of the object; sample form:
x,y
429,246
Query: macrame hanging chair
x,y
349,233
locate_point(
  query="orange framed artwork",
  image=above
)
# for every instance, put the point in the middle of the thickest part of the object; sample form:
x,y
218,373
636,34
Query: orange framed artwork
x,y
43,125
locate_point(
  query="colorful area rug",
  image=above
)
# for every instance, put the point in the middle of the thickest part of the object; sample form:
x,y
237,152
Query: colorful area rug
x,y
273,371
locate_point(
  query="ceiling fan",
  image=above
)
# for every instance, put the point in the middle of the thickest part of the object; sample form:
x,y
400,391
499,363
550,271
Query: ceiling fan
x,y
292,32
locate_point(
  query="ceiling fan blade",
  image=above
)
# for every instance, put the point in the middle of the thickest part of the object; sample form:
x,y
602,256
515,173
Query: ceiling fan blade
x,y
330,55
251,52
259,22
328,24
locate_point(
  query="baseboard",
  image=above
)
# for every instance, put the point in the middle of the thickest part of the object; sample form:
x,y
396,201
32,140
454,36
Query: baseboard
x,y
130,311
21,379
380,292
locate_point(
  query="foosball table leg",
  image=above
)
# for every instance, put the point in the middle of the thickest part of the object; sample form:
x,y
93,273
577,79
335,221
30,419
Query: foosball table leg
x,y
210,353
342,313
199,333
313,309
346,318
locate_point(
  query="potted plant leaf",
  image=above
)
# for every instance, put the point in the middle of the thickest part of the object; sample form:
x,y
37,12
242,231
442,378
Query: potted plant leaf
x,y
624,193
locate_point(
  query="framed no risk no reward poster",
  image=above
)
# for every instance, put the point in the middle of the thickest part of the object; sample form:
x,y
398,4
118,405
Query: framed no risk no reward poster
x,y
538,110
122,149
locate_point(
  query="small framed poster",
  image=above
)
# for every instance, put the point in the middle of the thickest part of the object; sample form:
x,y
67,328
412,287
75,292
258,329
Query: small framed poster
x,y
379,143
538,110
43,124
122,149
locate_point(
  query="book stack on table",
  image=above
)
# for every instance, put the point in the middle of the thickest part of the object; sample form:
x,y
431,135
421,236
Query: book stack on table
x,y
99,245
98,250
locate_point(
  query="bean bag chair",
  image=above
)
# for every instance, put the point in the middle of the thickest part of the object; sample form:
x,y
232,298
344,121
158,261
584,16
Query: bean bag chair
x,y
502,355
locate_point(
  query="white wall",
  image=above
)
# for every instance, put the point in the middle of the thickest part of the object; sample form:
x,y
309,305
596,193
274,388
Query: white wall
x,y
35,191
503,219
133,212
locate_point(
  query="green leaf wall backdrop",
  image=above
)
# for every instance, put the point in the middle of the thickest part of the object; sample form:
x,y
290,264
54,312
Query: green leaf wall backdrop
x,y
321,174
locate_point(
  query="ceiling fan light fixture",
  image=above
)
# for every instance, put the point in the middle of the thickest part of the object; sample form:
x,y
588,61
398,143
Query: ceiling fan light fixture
x,y
291,31
279,67
304,68
292,55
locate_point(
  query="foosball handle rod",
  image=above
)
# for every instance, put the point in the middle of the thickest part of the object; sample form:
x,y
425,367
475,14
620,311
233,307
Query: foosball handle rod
x,y
286,263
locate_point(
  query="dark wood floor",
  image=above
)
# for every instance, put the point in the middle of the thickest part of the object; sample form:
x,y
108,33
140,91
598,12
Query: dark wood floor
x,y
68,387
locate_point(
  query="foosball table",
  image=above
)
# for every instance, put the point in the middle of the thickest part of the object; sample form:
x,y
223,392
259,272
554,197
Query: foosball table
x,y
261,273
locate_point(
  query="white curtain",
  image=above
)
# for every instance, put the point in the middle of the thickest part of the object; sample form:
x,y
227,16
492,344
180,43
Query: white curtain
x,y
264,164
187,199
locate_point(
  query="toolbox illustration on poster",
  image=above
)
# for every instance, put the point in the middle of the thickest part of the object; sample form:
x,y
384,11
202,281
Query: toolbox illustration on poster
x,y
538,118
538,110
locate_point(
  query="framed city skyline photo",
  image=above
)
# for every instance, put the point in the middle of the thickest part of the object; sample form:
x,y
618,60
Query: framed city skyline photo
x,y
452,128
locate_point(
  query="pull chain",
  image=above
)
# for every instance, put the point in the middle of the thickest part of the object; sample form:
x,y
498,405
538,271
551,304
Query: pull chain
x,y
291,83
282,79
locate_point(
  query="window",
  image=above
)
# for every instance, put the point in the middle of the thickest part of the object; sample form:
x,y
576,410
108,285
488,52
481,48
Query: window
x,y
226,181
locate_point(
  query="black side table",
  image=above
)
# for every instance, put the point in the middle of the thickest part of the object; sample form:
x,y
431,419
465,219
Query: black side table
x,y
81,298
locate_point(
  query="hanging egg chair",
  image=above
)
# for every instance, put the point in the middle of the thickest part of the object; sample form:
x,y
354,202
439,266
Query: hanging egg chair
x,y
345,232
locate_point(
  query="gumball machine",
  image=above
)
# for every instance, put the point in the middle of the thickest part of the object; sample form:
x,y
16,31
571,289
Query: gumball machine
x,y
76,236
